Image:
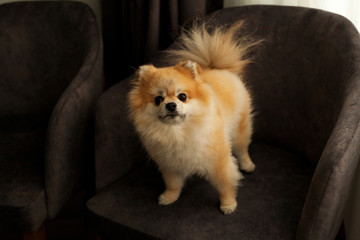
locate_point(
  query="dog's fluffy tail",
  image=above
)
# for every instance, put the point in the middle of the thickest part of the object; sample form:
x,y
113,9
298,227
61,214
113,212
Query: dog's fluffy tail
x,y
219,49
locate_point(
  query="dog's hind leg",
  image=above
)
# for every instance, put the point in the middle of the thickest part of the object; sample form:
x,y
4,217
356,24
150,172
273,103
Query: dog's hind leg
x,y
241,143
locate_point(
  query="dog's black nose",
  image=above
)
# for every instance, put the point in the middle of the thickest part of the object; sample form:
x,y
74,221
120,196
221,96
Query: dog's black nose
x,y
171,106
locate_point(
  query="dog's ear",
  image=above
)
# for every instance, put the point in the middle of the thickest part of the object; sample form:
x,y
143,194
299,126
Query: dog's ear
x,y
143,72
193,67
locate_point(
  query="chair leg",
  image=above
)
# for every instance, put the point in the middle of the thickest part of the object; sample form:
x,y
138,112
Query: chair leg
x,y
39,234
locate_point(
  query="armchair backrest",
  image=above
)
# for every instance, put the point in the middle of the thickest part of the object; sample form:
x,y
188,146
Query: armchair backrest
x,y
299,74
38,60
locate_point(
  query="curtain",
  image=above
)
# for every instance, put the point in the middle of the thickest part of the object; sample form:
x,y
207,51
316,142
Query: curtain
x,y
347,8
134,30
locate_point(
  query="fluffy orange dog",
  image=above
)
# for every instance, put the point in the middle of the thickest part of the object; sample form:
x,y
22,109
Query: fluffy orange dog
x,y
191,116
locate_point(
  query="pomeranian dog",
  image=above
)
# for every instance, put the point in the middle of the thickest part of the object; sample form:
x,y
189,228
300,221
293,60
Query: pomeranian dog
x,y
193,115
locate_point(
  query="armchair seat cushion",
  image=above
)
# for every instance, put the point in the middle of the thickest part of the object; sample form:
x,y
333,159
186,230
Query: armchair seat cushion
x,y
274,194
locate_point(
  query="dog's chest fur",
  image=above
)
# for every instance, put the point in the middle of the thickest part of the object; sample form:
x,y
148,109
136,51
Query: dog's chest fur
x,y
183,151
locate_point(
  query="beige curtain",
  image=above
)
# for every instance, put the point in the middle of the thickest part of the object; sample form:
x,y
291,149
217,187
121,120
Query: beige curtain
x,y
347,8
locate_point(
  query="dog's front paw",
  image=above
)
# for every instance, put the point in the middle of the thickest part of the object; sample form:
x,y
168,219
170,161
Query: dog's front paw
x,y
229,208
247,166
166,200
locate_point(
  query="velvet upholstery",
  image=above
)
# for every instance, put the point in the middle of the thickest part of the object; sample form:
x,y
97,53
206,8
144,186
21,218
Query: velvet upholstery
x,y
305,83
51,76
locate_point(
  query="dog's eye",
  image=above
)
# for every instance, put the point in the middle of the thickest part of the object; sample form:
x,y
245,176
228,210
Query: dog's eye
x,y
158,100
182,97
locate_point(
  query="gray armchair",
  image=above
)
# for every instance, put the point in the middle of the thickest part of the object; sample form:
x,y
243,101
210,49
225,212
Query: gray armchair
x,y
50,79
305,81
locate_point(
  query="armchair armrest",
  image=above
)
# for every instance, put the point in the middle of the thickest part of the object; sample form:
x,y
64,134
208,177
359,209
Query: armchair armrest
x,y
117,145
330,187
69,146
